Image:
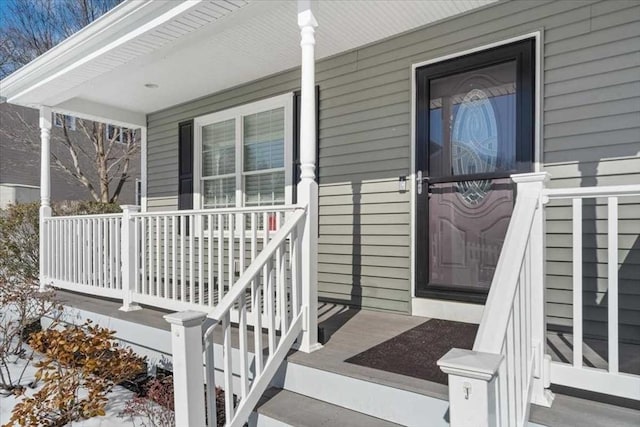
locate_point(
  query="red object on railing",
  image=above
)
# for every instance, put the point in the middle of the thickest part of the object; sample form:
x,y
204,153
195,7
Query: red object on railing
x,y
272,222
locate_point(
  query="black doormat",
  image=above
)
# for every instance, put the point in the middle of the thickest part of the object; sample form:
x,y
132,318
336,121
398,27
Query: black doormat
x,y
414,353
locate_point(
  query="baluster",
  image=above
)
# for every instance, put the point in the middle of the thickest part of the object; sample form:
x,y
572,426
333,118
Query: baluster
x,y
210,261
241,249
118,256
503,397
62,251
138,253
577,283
231,250
220,257
270,309
112,253
54,243
144,255
201,288
65,246
279,282
192,266
243,348
101,251
612,294
295,271
256,303
158,274
72,251
105,252
183,262
165,277
108,249
228,367
511,380
210,372
517,354
152,256
174,256
528,299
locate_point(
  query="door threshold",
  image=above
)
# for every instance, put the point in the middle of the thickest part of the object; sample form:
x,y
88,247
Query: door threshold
x,y
447,310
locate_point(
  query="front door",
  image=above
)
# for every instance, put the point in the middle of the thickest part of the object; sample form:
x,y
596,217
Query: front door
x,y
474,129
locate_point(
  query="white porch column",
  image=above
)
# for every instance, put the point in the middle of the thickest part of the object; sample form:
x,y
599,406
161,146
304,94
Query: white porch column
x,y
45,186
188,370
534,183
308,188
143,168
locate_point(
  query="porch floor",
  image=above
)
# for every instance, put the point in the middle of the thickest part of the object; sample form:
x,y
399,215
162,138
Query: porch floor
x,y
349,332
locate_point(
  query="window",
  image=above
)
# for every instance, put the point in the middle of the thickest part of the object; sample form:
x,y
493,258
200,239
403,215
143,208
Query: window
x,y
121,135
245,155
60,120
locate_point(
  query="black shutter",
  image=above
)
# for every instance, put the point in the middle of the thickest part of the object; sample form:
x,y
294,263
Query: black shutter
x,y
185,165
296,140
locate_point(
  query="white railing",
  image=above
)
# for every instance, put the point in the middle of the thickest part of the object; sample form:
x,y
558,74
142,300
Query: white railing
x,y
267,295
494,384
178,260
609,380
82,253
190,259
270,285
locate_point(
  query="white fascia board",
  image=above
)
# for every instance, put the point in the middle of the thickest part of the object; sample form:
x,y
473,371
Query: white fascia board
x,y
90,43
96,112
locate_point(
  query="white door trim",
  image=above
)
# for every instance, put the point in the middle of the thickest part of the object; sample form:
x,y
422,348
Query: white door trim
x,y
451,310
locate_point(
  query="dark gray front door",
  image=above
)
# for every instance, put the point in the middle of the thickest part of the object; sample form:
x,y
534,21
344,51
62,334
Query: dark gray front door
x,y
475,128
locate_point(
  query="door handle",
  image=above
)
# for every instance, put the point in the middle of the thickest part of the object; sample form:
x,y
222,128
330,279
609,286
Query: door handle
x,y
420,180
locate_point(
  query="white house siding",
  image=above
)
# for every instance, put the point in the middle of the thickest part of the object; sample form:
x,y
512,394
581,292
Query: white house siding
x,y
591,136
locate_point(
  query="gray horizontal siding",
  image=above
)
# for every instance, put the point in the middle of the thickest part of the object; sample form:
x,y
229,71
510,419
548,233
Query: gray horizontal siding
x,y
591,136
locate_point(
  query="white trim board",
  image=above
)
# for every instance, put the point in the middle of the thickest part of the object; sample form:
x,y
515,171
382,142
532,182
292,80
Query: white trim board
x,y
434,308
447,310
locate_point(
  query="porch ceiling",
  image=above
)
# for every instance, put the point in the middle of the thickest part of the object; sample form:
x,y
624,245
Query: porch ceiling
x,y
193,48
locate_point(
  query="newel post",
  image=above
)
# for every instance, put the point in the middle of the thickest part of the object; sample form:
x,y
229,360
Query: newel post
x,y
473,387
534,184
45,189
127,256
188,371
308,187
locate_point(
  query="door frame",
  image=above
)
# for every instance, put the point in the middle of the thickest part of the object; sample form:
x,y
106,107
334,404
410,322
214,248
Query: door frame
x,y
456,310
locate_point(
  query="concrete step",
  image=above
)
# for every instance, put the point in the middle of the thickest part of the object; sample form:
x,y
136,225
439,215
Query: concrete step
x,y
280,408
366,396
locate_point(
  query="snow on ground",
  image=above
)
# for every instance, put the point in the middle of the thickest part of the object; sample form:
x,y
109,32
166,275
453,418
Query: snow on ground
x,y
117,400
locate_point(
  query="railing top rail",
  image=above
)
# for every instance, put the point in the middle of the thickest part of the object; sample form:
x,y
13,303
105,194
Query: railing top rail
x,y
493,326
592,192
92,216
238,288
256,209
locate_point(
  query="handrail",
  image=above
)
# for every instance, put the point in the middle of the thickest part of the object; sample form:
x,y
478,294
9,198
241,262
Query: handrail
x,y
591,192
275,298
257,209
252,271
493,325
91,216
504,367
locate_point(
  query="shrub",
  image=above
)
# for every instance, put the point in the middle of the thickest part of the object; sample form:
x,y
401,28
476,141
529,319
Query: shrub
x,y
156,409
19,244
84,207
81,365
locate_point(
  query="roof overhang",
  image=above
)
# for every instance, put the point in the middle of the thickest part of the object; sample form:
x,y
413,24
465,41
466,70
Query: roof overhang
x,y
189,49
